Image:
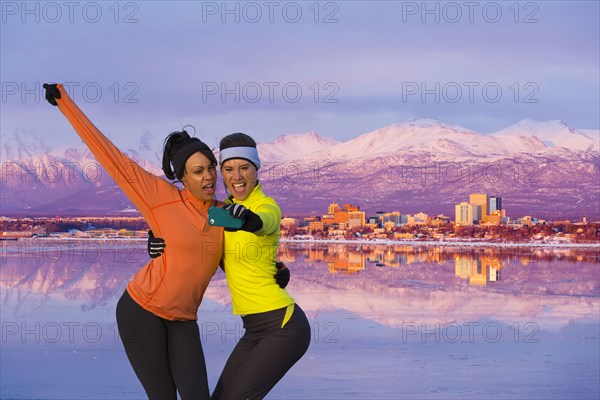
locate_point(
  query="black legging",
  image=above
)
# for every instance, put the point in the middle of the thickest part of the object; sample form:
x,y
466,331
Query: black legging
x,y
263,355
166,356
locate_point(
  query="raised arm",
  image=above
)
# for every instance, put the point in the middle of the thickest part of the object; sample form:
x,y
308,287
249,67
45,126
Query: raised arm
x,y
144,189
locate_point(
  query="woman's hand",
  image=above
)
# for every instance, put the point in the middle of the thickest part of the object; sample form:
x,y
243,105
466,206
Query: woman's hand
x,y
252,221
52,93
282,276
156,246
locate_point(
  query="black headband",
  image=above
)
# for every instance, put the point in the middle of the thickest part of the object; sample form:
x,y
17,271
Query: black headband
x,y
185,150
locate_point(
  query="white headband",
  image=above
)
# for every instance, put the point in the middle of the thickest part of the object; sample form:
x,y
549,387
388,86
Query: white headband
x,y
245,152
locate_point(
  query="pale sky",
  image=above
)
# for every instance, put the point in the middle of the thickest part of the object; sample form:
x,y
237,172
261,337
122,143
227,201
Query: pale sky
x,y
269,68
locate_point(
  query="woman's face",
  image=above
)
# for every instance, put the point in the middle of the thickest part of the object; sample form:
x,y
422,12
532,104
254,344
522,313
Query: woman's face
x,y
200,177
239,176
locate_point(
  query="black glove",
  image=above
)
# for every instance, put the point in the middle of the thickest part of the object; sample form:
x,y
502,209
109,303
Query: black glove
x,y
252,221
52,93
156,246
282,276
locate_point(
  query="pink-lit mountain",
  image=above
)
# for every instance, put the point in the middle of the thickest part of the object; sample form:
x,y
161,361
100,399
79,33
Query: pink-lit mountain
x,y
544,169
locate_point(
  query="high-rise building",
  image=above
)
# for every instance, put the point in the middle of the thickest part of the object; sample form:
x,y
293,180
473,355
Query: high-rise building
x,y
381,216
374,220
481,200
477,211
463,214
393,216
356,219
340,216
495,203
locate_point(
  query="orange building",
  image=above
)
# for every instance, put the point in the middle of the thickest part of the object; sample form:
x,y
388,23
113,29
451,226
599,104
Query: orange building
x,y
340,216
481,200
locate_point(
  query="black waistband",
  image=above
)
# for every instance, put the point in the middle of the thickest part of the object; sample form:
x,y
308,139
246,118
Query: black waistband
x,y
265,320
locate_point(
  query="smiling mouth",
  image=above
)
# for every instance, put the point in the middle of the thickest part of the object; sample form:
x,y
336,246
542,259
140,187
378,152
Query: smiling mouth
x,y
209,186
239,187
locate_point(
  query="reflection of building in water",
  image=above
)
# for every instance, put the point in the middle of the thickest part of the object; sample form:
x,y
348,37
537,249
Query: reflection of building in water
x,y
316,254
493,265
286,254
349,263
338,258
478,274
462,266
397,256
391,259
479,269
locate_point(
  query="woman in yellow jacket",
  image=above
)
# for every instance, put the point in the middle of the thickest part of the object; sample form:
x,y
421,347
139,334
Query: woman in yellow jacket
x,y
157,314
277,331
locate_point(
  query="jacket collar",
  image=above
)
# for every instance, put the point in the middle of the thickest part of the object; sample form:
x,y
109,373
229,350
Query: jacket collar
x,y
199,204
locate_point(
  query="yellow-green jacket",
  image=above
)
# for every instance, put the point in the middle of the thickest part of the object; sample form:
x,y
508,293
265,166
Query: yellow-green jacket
x,y
249,259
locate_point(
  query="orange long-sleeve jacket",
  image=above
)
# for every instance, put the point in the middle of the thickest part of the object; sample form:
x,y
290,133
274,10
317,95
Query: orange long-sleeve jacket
x,y
170,286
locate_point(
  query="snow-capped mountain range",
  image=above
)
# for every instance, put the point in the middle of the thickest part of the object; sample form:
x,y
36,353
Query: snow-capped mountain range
x,y
419,165
436,138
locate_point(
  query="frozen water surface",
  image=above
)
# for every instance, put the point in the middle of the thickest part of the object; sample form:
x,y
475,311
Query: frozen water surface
x,y
388,322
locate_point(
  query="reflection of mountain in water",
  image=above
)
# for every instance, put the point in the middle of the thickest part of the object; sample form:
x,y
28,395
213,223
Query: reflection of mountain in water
x,y
388,284
95,273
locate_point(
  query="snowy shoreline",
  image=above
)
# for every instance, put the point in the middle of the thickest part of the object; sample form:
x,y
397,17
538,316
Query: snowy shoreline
x,y
387,242
446,243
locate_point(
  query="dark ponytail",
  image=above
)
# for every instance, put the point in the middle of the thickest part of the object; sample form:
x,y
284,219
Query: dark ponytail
x,y
172,143
178,147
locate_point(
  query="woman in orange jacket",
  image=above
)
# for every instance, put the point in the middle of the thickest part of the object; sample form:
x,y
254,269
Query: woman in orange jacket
x,y
157,314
